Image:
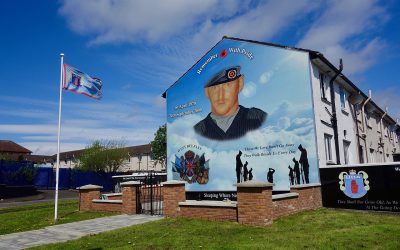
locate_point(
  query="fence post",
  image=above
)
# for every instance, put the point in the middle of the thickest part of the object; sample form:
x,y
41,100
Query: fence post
x,y
173,193
254,203
86,194
130,190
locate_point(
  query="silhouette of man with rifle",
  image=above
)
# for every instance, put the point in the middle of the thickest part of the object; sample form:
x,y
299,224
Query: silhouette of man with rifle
x,y
304,163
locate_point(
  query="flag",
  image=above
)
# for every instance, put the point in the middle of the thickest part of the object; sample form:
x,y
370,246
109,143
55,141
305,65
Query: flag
x,y
81,83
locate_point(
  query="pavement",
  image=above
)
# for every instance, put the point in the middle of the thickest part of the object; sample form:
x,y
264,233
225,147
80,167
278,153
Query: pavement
x,y
71,231
43,196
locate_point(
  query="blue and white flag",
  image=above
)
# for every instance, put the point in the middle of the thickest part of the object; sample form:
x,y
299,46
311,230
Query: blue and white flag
x,y
81,83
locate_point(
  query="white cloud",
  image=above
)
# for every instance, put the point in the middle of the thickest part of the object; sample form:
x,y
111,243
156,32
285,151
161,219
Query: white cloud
x,y
132,21
390,98
260,22
342,21
108,21
249,90
265,77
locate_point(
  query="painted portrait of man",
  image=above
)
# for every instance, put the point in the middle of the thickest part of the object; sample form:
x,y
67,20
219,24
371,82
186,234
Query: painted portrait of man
x,y
228,119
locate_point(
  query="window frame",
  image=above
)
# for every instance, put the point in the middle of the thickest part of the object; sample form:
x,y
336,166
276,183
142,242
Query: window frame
x,y
342,96
328,147
322,86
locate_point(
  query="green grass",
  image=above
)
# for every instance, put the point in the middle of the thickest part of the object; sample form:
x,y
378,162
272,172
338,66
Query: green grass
x,y
320,229
30,217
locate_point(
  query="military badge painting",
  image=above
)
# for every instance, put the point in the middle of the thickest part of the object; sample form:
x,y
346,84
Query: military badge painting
x,y
354,185
192,168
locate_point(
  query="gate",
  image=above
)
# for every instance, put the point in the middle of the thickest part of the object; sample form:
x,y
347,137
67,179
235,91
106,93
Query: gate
x,y
150,195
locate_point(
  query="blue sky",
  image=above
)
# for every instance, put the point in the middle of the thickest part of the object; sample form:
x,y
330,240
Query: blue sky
x,y
139,48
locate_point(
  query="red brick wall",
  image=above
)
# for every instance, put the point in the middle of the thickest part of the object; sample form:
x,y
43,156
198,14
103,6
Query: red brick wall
x,y
115,197
173,194
309,198
283,207
106,207
254,205
209,213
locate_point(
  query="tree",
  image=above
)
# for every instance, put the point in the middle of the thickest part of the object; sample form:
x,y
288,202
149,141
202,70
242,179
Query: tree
x,y
159,145
104,156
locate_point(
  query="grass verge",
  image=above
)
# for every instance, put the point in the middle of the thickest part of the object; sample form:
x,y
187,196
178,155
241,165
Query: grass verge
x,y
30,217
320,229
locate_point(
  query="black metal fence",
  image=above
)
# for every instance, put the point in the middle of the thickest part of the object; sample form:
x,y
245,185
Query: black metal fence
x,y
150,195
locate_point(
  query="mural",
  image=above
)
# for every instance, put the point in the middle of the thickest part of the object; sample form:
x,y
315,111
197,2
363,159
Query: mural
x,y
243,112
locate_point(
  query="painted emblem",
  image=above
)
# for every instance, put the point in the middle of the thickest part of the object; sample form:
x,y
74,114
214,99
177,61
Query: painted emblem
x,y
231,73
223,53
354,185
191,167
76,80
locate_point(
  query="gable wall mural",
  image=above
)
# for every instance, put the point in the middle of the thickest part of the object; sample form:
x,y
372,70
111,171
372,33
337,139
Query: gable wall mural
x,y
243,112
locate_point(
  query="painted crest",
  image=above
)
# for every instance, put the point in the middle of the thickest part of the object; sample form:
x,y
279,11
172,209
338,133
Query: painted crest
x,y
192,168
354,185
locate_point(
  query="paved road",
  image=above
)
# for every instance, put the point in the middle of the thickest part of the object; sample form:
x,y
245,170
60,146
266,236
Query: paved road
x,y
71,231
42,197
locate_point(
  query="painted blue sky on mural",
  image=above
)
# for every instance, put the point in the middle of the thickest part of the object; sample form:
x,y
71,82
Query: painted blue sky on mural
x,y
139,51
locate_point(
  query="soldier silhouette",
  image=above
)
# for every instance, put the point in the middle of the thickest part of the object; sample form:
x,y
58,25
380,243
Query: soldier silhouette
x,y
291,175
239,166
304,162
245,171
250,174
296,171
270,175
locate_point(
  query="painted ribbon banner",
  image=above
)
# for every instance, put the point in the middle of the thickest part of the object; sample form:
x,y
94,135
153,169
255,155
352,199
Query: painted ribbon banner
x,y
362,187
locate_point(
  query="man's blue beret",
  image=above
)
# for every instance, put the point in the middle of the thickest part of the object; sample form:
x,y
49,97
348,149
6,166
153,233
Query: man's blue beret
x,y
224,76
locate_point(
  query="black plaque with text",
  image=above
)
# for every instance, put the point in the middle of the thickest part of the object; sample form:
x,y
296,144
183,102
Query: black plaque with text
x,y
368,187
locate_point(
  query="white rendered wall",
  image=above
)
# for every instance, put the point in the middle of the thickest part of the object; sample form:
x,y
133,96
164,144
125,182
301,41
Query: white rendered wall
x,y
345,120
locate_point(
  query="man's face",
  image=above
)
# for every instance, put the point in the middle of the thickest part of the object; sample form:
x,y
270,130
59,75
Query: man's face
x,y
224,97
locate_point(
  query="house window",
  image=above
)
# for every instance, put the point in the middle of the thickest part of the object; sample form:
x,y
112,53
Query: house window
x,y
372,155
342,98
346,146
322,85
328,147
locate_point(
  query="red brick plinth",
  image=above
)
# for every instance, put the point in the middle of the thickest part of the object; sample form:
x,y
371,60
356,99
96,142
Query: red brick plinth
x,y
88,193
254,203
173,193
130,202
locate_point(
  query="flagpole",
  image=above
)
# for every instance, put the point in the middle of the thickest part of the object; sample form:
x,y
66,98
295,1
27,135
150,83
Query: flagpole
x,y
58,139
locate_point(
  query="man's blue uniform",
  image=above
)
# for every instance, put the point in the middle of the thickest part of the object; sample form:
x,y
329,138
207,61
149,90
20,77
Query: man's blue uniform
x,y
247,119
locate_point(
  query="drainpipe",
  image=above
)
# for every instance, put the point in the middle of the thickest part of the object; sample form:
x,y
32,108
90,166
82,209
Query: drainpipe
x,y
357,133
334,117
363,123
381,126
